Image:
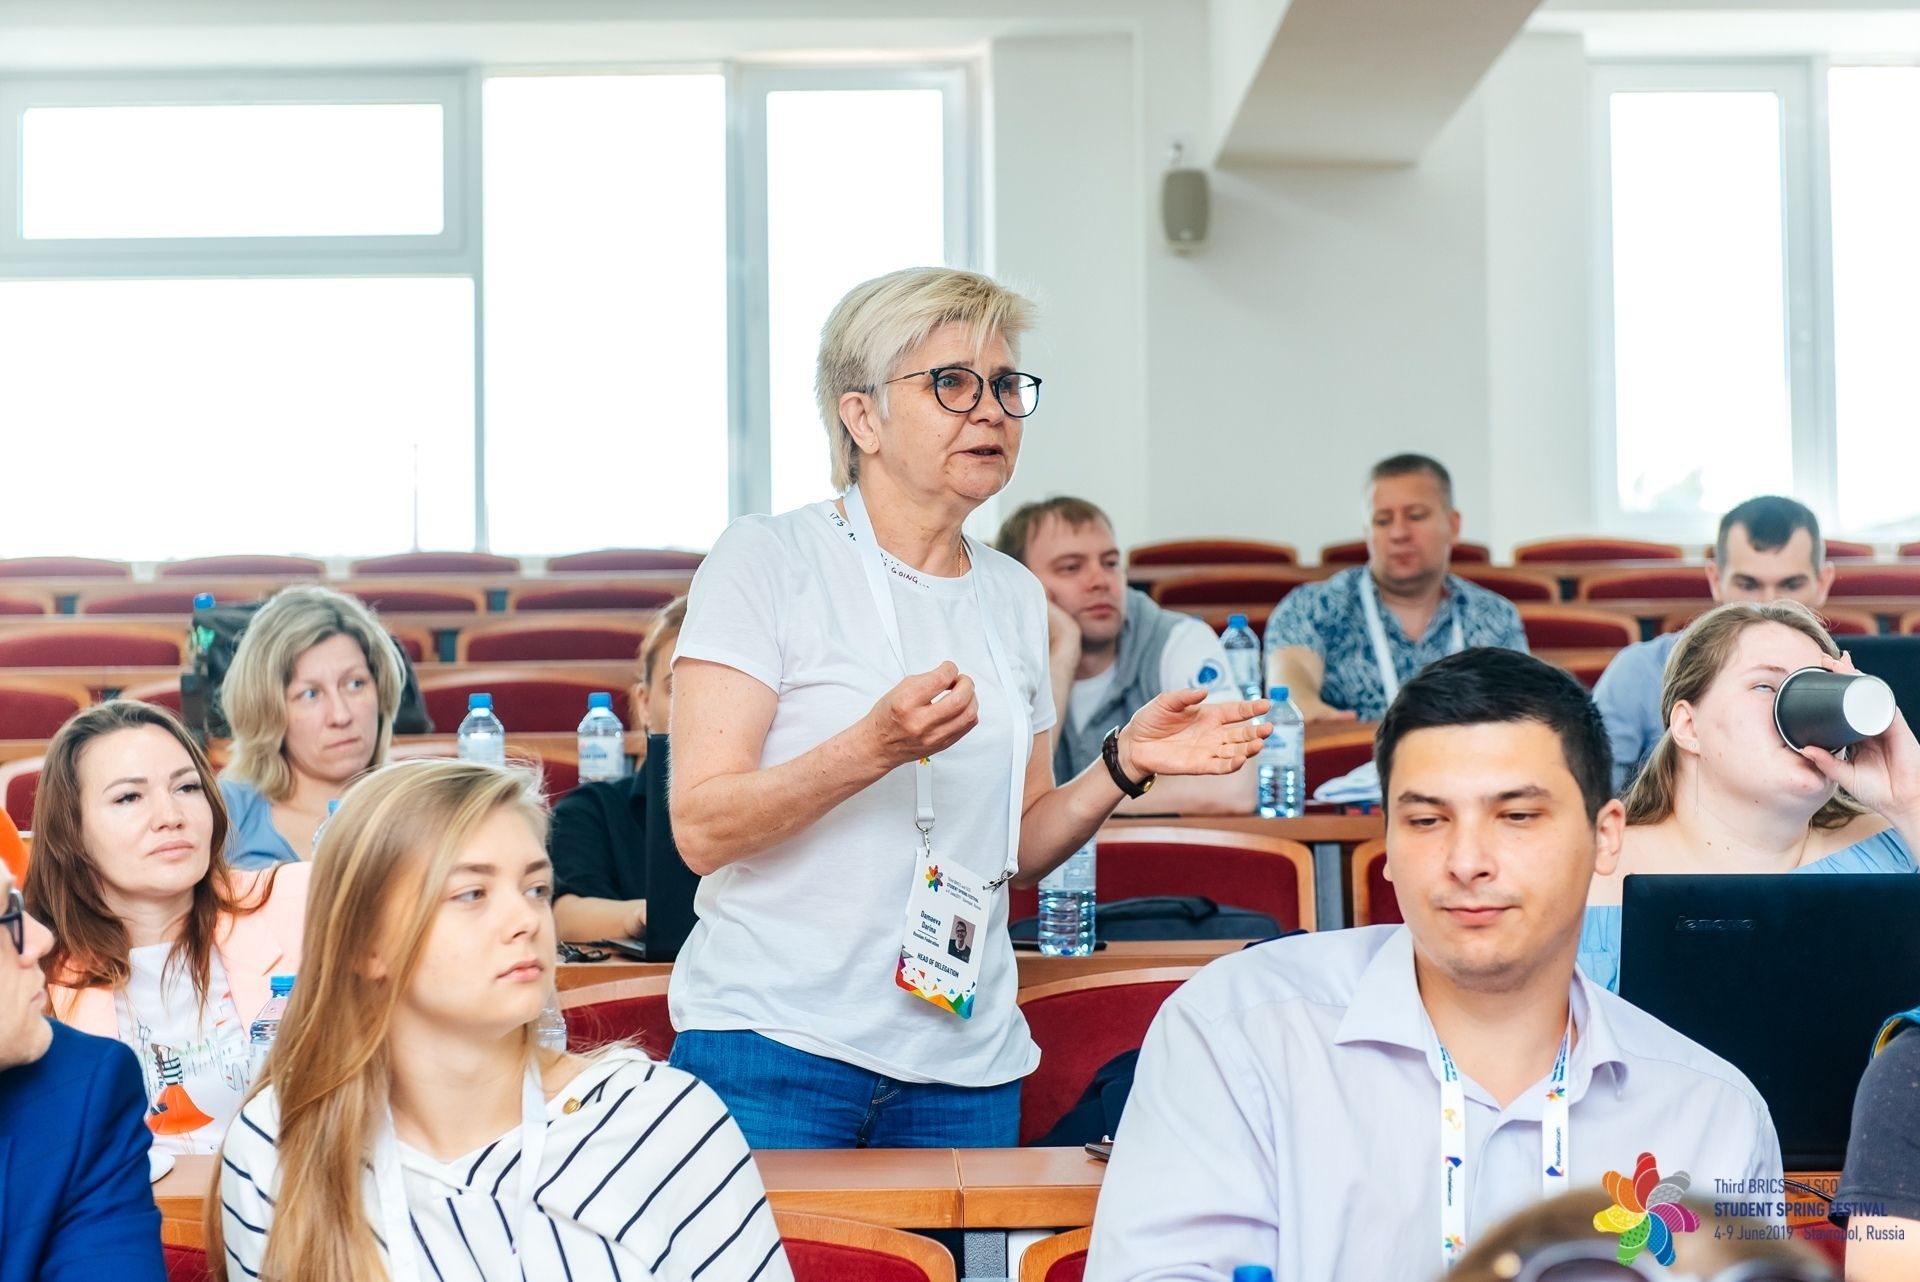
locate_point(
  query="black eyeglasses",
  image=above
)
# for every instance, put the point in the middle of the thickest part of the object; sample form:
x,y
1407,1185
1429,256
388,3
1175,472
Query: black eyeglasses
x,y
15,920
958,389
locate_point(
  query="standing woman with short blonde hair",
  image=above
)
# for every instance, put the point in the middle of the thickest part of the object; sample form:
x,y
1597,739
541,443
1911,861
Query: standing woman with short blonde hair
x,y
311,698
410,1128
862,752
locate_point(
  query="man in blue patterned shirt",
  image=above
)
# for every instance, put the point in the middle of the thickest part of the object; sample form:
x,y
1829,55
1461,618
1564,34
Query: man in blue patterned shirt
x,y
1343,647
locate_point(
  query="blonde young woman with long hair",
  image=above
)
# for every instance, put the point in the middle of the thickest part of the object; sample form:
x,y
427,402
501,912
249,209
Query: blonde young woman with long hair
x,y
1723,792
156,940
311,697
410,1129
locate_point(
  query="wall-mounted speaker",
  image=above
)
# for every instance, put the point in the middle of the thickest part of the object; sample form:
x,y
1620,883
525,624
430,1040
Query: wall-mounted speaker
x,y
1184,207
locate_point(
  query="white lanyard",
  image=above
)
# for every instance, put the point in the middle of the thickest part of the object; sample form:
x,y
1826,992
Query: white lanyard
x,y
1382,655
859,531
1453,1147
396,1221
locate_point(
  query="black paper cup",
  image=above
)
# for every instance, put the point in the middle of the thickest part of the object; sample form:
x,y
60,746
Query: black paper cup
x,y
1823,709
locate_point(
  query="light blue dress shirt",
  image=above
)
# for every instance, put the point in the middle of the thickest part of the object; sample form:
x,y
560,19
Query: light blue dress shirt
x,y
252,840
1600,932
1628,696
1286,1112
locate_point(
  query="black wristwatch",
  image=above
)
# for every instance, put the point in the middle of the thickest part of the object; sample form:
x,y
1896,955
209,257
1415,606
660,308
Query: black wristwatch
x,y
1110,753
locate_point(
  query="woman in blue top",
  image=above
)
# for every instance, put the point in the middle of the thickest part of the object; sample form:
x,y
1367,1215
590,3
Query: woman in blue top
x,y
1723,792
311,697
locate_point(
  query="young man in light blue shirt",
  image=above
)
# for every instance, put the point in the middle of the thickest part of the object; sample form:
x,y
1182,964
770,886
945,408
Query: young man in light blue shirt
x,y
1769,549
1363,1103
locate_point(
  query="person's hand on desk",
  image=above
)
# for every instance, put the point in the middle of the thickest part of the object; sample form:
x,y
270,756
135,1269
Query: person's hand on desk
x,y
1179,733
926,713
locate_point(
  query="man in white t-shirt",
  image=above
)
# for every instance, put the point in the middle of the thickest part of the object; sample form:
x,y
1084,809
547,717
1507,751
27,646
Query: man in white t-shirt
x,y
1112,649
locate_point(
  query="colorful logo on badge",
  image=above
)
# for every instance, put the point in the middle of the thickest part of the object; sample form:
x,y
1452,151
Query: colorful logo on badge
x,y
1453,1244
1452,1118
934,879
1646,1211
1557,1093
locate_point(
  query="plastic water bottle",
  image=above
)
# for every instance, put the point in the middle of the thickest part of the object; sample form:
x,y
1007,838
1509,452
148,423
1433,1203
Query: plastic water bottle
x,y
552,1033
1253,1273
266,1025
1243,655
603,741
1283,759
1066,906
201,635
482,737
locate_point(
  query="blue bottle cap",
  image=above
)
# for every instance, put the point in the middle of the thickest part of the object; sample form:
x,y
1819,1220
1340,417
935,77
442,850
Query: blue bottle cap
x,y
599,699
1253,1273
280,985
479,700
1278,694
203,600
1236,620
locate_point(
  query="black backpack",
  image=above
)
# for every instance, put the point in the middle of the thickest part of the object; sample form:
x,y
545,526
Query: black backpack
x,y
1166,917
216,636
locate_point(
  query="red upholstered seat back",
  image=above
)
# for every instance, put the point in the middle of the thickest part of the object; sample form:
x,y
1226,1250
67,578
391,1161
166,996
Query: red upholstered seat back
x,y
438,563
1682,583
642,1020
11,603
1878,580
1134,869
185,1263
1568,626
63,567
1078,1032
142,601
81,649
624,561
1595,549
1261,589
1071,1267
838,1262
298,566
1212,552
1849,550
558,642
1383,905
34,714
401,599
22,786
1331,760
597,597
1355,553
528,705
1514,585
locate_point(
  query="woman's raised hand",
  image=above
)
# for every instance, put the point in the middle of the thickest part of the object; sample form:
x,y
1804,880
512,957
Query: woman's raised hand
x,y
1179,733
925,713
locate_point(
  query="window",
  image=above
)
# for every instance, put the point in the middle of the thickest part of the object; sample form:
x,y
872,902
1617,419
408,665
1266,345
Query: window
x,y
346,315
1756,277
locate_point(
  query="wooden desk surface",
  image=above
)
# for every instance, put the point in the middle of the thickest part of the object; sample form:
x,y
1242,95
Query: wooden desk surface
x,y
1034,968
1028,1188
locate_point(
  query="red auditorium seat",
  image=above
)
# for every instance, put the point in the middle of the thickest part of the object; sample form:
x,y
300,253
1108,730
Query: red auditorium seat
x,y
155,600
299,567
1682,583
629,1010
23,601
625,561
1081,1023
1848,550
1907,550
185,1263
436,563
35,709
63,567
1268,875
527,702
1332,755
1840,622
163,693
1254,590
1877,580
821,1248
519,640
1515,585
404,598
1567,626
1595,549
598,596
1060,1258
1355,553
19,785
559,768
1212,552
105,645
1374,900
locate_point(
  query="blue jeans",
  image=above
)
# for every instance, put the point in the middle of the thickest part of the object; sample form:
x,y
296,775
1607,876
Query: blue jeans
x,y
786,1098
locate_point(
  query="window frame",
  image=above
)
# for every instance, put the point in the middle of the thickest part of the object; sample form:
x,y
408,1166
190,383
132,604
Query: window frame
x,y
1806,273
750,457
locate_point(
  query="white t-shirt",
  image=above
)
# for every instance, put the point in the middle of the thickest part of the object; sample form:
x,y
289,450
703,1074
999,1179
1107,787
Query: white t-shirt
x,y
1192,657
194,1060
800,941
